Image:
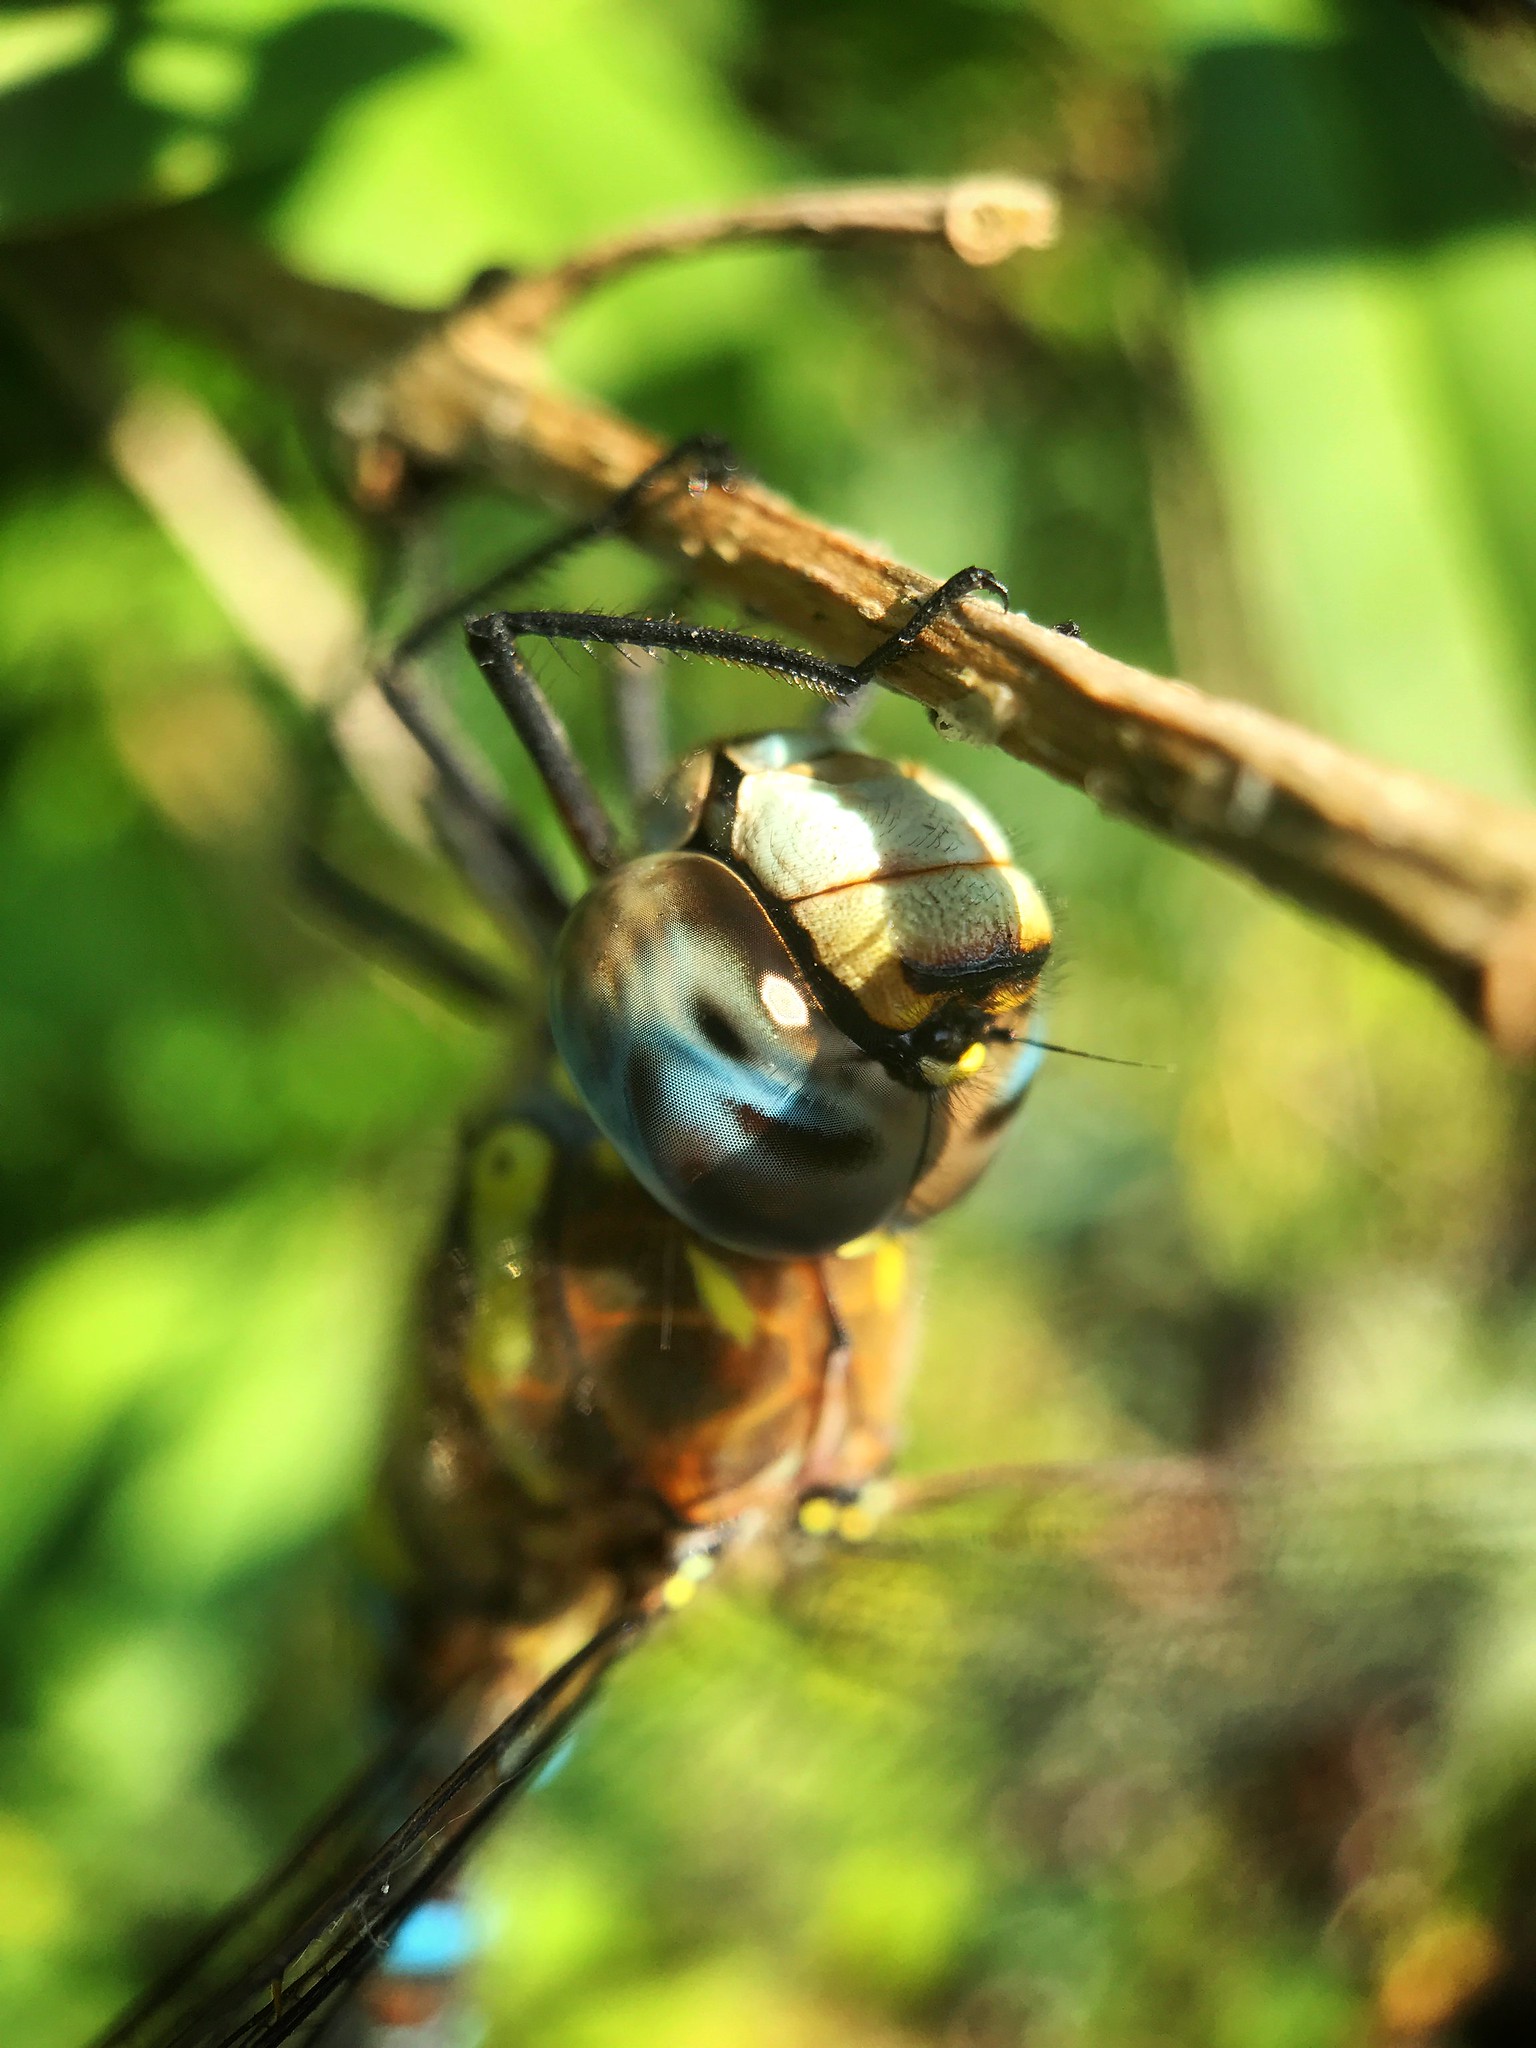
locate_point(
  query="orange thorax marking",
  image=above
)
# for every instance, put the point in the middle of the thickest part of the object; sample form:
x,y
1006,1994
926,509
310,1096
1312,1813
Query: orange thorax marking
x,y
661,1363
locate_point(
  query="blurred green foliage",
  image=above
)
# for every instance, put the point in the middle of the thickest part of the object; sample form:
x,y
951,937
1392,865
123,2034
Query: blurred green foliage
x,y
1266,418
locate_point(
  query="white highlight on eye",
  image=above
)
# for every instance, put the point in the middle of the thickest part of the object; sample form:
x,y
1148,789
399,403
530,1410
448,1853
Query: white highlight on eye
x,y
784,1002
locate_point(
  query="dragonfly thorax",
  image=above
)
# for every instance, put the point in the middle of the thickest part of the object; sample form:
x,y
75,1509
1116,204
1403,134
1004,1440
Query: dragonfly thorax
x,y
803,1014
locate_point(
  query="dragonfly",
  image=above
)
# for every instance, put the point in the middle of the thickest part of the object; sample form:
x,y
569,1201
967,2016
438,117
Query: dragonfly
x,y
667,1335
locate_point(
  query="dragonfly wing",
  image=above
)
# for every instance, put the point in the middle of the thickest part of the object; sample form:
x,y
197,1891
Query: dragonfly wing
x,y
276,1964
1179,1604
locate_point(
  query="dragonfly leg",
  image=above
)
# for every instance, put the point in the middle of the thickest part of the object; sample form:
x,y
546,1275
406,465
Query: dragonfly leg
x,y
484,838
841,719
538,725
405,941
954,590
843,683
702,460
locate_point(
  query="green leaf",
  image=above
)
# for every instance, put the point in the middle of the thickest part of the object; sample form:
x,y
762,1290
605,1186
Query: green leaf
x,y
103,108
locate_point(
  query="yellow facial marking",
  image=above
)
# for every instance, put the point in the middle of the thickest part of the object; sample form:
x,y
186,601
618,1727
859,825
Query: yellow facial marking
x,y
945,1073
855,1523
721,1297
677,1592
818,1515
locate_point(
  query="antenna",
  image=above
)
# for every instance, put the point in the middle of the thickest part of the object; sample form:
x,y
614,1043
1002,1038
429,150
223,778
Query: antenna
x,y
1105,1059
1075,1052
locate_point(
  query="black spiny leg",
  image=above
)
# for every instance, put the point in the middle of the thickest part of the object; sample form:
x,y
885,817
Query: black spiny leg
x,y
484,839
408,944
704,459
963,584
496,856
845,714
842,682
487,839
537,725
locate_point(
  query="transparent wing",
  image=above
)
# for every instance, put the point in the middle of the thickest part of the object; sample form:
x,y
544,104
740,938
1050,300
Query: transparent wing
x,y
275,1964
1108,1633
1156,1751
1173,1610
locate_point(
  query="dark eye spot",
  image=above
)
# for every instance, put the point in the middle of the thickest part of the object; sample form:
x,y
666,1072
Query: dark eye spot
x,y
717,1031
805,1148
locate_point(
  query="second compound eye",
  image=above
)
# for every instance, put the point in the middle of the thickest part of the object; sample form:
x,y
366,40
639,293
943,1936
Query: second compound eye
x,y
702,1055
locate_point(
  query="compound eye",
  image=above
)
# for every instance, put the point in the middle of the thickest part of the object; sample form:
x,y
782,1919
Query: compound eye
x,y
702,1054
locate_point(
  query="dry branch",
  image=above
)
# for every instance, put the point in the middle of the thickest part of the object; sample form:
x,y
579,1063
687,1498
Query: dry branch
x,y
982,220
1443,880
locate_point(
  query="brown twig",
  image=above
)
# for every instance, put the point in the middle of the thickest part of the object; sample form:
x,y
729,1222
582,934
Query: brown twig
x,y
983,220
1443,880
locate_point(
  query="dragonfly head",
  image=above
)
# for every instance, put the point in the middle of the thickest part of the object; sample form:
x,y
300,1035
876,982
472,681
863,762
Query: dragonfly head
x,y
803,1014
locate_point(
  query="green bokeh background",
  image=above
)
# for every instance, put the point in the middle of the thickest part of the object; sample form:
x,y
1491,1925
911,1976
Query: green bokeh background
x,y
1267,419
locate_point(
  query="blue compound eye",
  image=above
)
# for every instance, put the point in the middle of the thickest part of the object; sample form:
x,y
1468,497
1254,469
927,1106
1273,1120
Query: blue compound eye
x,y
701,1052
